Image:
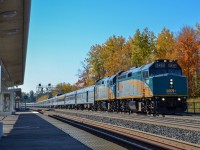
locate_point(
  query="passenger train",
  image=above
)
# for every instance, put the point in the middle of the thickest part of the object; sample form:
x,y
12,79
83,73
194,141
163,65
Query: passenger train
x,y
155,88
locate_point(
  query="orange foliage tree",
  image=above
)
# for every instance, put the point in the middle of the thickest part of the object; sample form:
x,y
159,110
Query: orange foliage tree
x,y
187,48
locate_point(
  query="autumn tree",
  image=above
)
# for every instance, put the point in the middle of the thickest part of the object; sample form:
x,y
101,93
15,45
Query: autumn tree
x,y
85,76
124,57
188,53
62,88
165,45
198,29
196,77
111,54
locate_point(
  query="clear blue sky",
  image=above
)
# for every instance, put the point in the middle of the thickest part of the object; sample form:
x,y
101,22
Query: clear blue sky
x,y
61,32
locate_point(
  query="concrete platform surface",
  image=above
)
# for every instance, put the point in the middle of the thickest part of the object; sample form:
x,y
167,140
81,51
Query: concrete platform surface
x,y
30,132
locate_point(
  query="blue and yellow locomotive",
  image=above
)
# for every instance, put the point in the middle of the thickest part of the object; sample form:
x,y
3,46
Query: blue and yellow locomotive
x,y
158,87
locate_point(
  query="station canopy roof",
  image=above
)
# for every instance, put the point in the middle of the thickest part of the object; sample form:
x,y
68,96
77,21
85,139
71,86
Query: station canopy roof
x,y
14,27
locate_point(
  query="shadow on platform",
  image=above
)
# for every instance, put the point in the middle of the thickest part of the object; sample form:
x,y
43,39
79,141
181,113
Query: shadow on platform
x,y
31,132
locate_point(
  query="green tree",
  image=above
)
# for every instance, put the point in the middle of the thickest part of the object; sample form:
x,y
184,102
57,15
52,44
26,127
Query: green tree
x,y
142,47
195,80
96,62
165,45
32,96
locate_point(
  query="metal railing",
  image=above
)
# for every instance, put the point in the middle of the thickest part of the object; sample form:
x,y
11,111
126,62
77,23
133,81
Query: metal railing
x,y
193,107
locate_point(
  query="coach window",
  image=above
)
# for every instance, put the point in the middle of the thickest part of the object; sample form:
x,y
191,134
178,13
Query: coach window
x,y
102,82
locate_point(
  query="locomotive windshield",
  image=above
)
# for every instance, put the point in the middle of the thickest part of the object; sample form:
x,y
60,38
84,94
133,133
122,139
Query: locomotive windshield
x,y
165,67
175,71
158,71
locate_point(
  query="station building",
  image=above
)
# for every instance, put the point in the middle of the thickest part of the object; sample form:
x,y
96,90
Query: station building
x,y
14,27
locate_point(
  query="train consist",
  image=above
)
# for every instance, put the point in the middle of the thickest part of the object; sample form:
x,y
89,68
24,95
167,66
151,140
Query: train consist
x,y
155,88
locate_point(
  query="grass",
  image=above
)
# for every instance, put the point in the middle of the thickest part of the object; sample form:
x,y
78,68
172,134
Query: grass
x,y
194,103
194,100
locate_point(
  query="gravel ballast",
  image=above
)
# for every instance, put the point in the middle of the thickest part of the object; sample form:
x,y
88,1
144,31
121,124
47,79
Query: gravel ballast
x,y
171,132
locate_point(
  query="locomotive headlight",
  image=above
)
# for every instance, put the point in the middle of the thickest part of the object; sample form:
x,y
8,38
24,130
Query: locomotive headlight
x,y
163,99
171,80
179,99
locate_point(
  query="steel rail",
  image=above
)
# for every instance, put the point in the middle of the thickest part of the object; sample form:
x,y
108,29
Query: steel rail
x,y
162,142
155,121
169,122
111,136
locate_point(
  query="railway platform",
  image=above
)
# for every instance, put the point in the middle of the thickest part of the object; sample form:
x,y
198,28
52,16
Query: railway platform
x,y
28,131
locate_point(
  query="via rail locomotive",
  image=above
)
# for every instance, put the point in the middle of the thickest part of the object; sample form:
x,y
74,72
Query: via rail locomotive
x,y
155,88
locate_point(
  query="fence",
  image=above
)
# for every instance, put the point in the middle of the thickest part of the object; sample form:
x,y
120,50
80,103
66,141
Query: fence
x,y
193,107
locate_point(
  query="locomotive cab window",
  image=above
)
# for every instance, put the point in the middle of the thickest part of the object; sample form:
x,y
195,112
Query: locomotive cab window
x,y
158,71
122,76
145,74
165,67
175,71
174,68
130,74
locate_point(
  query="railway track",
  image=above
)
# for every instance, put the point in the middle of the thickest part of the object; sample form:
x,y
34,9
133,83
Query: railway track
x,y
192,118
193,125
180,122
129,138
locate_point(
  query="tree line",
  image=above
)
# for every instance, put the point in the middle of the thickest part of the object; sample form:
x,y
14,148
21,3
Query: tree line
x,y
40,95
118,54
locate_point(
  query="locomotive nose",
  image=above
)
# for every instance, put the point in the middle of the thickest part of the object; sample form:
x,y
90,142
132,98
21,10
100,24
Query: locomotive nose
x,y
169,85
170,91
